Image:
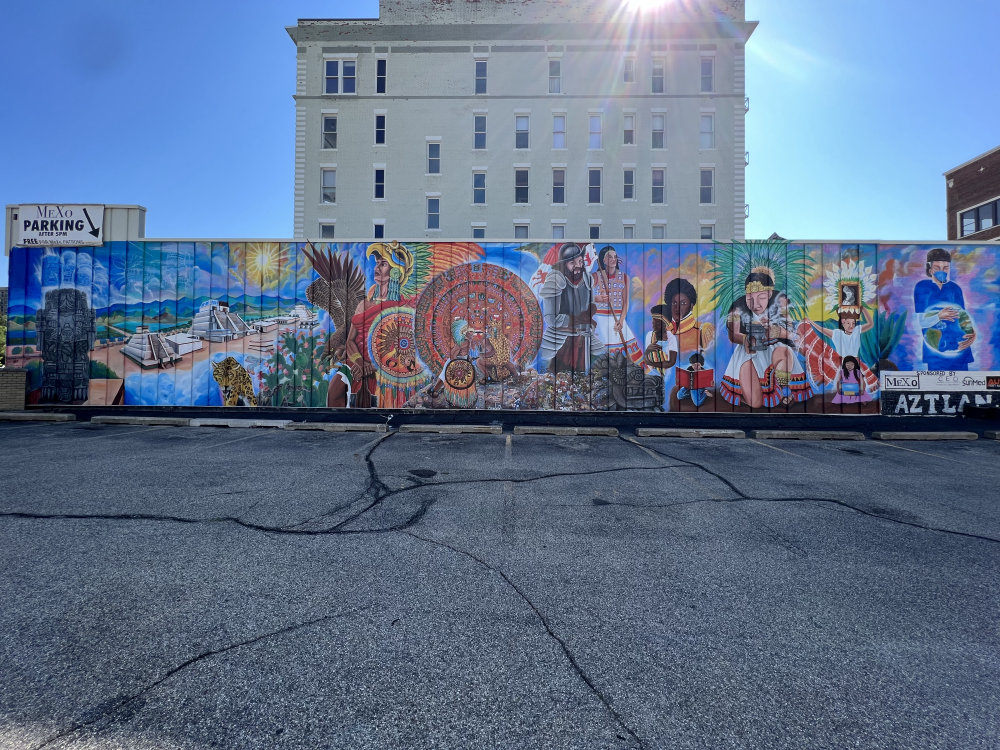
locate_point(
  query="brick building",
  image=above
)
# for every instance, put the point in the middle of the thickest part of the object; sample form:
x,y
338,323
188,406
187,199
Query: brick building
x,y
973,191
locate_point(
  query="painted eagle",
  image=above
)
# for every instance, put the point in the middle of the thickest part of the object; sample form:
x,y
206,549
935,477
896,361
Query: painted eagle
x,y
339,290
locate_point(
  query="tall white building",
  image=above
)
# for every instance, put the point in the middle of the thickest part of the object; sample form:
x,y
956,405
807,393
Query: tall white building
x,y
500,119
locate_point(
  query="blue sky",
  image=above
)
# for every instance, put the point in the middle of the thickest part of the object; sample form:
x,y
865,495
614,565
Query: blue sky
x,y
857,107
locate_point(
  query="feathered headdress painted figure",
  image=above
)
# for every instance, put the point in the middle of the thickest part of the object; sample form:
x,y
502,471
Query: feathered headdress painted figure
x,y
788,269
415,264
339,289
400,261
847,287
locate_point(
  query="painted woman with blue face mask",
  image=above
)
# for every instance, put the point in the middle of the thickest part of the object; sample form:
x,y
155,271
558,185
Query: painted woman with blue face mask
x,y
947,329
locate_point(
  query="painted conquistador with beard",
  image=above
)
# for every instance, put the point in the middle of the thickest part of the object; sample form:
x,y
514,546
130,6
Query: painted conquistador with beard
x,y
570,339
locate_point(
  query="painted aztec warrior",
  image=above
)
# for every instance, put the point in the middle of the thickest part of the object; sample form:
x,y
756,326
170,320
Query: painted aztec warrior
x,y
376,355
764,369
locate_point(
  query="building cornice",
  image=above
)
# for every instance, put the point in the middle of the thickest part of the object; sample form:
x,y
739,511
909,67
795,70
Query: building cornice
x,y
973,160
525,97
335,30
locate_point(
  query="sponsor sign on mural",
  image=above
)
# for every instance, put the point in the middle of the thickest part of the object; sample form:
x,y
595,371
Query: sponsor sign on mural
x,y
938,392
60,225
937,380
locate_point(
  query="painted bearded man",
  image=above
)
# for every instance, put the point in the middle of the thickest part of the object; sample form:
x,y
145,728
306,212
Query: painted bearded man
x,y
570,340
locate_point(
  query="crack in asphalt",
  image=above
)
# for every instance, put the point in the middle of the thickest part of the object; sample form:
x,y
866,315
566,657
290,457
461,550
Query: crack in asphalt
x,y
377,492
704,468
130,699
778,537
570,657
525,480
743,497
380,492
375,489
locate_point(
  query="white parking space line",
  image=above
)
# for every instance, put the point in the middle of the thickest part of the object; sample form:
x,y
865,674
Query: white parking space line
x,y
923,453
253,433
118,432
767,444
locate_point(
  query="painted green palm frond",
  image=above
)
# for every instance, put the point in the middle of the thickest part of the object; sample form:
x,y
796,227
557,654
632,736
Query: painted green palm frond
x,y
879,342
422,253
893,333
798,272
732,262
430,260
723,271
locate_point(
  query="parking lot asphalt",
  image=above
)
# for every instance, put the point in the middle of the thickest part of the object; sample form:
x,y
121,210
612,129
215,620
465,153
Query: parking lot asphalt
x,y
194,587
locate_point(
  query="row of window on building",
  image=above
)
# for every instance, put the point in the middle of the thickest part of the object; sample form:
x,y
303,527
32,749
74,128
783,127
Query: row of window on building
x,y
522,131
340,76
520,230
595,184
979,218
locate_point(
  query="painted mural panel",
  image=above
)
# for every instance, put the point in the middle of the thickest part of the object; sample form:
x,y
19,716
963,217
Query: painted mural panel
x,y
941,302
710,327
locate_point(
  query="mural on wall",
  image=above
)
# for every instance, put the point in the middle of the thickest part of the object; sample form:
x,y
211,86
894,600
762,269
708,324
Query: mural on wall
x,y
762,285
706,327
944,300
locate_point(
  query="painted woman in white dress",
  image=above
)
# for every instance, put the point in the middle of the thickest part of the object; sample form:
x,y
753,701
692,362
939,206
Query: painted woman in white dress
x,y
764,369
611,297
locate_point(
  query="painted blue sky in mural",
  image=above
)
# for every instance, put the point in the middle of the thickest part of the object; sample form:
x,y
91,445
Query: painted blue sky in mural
x,y
857,108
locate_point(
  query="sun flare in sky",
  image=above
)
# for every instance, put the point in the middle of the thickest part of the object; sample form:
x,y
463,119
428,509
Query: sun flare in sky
x,y
645,5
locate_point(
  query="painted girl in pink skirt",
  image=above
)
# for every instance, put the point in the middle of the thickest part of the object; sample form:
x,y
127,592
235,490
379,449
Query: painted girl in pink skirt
x,y
850,387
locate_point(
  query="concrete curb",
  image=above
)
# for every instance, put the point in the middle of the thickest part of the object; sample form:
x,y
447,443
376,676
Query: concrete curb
x,y
575,431
337,426
688,432
168,421
275,423
32,416
454,429
924,435
992,434
806,435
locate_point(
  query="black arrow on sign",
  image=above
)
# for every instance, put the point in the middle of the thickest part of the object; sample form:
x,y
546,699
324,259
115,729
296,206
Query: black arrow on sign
x,y
93,230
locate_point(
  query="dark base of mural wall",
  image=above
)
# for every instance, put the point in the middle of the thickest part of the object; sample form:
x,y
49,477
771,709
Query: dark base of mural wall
x,y
974,419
